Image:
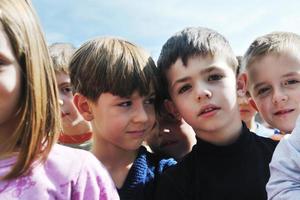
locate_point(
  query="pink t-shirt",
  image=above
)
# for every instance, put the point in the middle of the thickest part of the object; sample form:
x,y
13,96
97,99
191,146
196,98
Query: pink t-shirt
x,y
67,174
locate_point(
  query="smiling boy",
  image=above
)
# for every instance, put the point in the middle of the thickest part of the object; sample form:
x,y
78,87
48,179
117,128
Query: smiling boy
x,y
277,98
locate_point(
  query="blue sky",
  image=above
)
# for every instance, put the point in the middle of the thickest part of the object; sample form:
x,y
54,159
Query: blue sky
x,y
149,23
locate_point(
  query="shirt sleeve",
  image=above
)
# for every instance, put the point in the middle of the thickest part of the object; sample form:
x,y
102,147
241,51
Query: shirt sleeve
x,y
284,182
94,182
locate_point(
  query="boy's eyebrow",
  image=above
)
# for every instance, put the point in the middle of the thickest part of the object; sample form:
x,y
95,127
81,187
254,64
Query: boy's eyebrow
x,y
290,74
65,83
180,81
202,72
209,69
285,75
258,85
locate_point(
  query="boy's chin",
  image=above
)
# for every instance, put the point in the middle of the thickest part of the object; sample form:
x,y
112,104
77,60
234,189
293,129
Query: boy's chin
x,y
286,128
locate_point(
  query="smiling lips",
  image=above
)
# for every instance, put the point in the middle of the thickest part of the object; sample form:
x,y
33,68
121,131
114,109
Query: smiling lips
x,y
283,112
137,133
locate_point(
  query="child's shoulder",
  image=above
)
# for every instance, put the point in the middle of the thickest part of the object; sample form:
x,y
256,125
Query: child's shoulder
x,y
70,161
155,160
64,172
62,152
264,142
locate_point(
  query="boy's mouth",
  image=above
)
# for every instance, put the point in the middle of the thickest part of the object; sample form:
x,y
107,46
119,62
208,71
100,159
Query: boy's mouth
x,y
283,112
244,111
208,110
137,132
63,114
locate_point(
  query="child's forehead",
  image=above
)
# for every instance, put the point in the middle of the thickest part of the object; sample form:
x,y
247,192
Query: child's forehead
x,y
276,61
198,64
273,68
134,95
203,61
62,77
60,73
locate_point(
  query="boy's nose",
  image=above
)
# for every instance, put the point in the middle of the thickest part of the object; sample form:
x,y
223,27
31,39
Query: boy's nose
x,y
140,115
279,96
203,93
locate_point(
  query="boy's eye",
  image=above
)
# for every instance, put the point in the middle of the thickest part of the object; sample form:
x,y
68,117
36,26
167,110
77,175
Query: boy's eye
x,y
66,90
215,77
290,82
183,89
125,104
4,61
262,91
150,100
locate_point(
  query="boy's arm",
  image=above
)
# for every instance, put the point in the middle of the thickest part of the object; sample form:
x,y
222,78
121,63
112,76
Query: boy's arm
x,y
284,181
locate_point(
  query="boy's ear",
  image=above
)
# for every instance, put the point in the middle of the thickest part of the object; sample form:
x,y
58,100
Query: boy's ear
x,y
171,108
242,84
83,106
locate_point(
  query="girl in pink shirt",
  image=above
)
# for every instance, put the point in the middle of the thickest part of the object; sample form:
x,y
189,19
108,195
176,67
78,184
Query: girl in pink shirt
x,y
32,166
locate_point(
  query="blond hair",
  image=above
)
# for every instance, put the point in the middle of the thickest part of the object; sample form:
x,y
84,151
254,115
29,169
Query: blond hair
x,y
272,43
61,54
38,107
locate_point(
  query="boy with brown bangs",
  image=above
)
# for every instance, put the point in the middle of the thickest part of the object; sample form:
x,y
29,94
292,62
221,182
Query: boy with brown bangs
x,y
198,67
116,85
272,76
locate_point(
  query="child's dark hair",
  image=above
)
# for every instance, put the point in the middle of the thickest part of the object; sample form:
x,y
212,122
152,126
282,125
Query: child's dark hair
x,y
112,65
193,41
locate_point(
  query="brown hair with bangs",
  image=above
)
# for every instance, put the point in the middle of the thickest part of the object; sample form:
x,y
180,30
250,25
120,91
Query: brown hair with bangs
x,y
38,112
112,65
190,42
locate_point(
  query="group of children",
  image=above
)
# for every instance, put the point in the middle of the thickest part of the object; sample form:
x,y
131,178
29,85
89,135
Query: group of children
x,y
109,97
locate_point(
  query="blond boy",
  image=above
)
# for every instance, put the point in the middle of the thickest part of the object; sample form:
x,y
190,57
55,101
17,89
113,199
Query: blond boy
x,y
76,131
272,76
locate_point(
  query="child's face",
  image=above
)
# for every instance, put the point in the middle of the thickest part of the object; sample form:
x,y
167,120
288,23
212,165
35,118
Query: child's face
x,y
247,111
123,122
274,84
10,86
174,138
72,121
204,94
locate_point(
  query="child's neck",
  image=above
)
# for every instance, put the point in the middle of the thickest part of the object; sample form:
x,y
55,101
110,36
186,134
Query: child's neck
x,y
225,136
5,151
251,125
117,161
